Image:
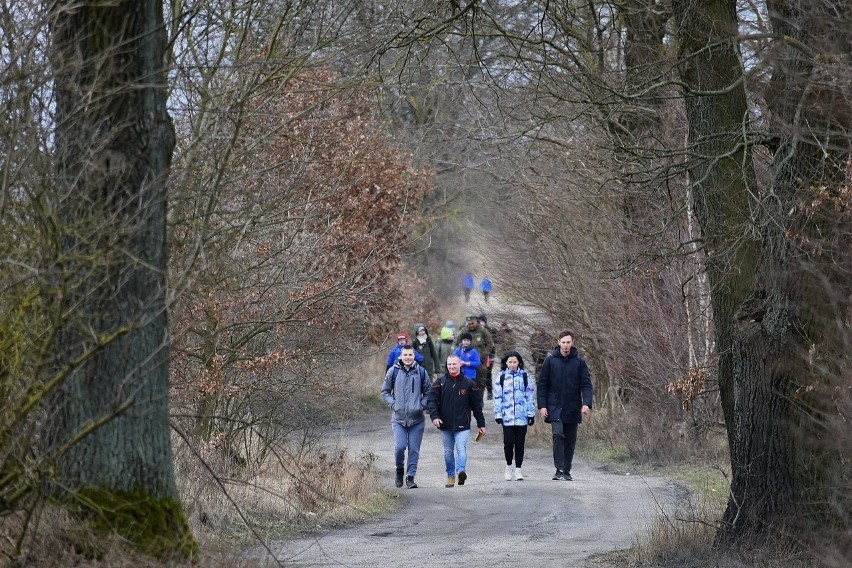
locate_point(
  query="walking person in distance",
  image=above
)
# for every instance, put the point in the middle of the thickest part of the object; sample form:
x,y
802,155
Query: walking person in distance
x,y
564,396
467,285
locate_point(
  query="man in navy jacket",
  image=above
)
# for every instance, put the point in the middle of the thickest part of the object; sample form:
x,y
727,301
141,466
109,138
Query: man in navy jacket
x,y
564,396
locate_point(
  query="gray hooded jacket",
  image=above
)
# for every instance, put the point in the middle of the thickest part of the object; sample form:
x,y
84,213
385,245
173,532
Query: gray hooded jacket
x,y
405,392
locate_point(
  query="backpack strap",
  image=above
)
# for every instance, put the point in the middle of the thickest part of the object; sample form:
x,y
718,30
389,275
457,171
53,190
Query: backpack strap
x,y
524,374
393,378
421,374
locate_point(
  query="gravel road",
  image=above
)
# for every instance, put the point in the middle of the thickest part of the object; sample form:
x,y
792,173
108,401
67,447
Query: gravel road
x,y
488,521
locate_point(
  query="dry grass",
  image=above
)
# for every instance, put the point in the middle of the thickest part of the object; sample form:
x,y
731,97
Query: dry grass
x,y
229,509
302,485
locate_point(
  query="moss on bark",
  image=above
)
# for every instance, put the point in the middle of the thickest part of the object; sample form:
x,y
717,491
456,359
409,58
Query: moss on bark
x,y
156,527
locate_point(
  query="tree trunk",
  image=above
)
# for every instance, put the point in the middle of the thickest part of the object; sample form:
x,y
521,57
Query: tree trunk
x,y
788,334
769,298
109,428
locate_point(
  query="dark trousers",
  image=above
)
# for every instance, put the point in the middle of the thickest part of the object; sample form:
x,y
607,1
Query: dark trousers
x,y
513,444
564,440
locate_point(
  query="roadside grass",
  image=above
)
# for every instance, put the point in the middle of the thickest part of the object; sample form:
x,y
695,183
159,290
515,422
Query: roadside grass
x,y
684,537
281,499
231,511
304,484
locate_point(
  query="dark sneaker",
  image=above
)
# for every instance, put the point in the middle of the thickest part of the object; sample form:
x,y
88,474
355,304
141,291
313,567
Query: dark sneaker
x,y
559,475
567,477
400,473
409,482
462,477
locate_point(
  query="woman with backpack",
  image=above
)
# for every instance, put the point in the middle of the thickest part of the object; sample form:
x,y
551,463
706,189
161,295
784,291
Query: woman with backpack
x,y
514,409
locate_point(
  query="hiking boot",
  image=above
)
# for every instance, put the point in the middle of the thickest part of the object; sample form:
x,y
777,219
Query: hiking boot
x,y
507,475
518,475
462,477
400,473
451,481
559,475
567,477
409,482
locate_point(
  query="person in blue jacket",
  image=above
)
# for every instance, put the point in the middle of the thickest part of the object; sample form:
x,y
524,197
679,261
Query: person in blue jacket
x,y
468,355
467,285
393,356
514,409
485,288
564,396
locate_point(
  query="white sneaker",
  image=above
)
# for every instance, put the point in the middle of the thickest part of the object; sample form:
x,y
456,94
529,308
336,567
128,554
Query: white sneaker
x,y
518,475
507,475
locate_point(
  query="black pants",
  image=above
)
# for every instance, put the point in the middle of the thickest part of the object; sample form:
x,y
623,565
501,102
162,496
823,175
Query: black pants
x,y
513,444
564,440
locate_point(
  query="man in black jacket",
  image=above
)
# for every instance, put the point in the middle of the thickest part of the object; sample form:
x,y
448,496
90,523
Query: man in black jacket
x,y
564,393
451,401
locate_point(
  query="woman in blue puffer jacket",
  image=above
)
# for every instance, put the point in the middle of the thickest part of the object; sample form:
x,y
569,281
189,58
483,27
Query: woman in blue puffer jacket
x,y
514,409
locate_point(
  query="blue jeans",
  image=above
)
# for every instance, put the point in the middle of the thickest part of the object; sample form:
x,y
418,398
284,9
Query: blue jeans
x,y
455,450
407,438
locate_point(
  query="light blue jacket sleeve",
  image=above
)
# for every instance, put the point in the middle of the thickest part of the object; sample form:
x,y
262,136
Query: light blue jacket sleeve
x,y
530,396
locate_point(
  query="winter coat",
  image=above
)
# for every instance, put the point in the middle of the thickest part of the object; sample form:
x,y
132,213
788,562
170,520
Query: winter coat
x,y
427,353
514,403
564,386
445,349
405,393
480,338
471,356
454,401
467,281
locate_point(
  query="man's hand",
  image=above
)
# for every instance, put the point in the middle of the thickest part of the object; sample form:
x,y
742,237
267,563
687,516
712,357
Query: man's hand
x,y
585,410
437,422
543,412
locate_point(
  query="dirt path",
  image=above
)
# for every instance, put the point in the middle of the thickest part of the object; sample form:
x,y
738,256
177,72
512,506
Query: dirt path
x,y
488,521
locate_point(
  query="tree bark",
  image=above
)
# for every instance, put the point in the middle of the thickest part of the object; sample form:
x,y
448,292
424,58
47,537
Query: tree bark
x,y
769,296
786,476
109,425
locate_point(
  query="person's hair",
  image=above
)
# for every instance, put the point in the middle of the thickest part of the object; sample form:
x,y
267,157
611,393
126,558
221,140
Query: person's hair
x,y
453,356
506,356
407,347
466,335
564,333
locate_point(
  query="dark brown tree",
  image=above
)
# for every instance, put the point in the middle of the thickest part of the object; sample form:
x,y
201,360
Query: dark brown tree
x,y
108,427
777,257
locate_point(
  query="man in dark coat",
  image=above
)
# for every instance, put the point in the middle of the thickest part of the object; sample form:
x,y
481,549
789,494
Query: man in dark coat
x,y
564,396
451,402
